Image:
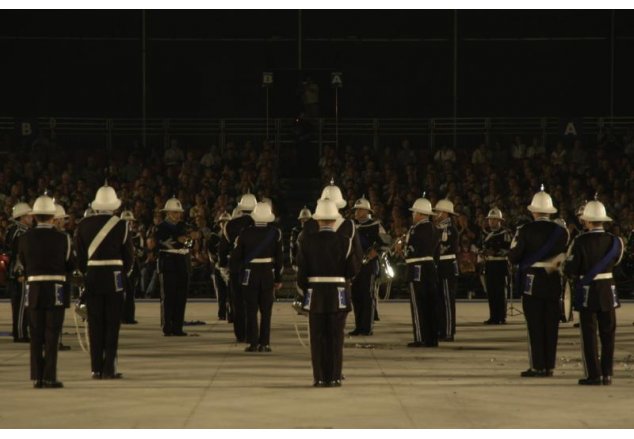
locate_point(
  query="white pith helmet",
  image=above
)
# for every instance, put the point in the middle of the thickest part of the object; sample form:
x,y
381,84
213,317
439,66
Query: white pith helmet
x,y
326,210
542,203
444,205
172,205
595,212
333,193
495,213
106,199
44,205
262,213
20,209
304,213
127,215
60,212
88,212
235,213
247,202
363,203
422,205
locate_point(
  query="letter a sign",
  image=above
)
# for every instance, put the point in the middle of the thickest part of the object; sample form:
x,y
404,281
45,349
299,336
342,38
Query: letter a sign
x,y
335,79
570,129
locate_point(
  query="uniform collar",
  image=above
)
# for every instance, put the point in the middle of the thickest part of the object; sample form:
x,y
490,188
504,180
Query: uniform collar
x,y
327,229
45,226
543,218
261,224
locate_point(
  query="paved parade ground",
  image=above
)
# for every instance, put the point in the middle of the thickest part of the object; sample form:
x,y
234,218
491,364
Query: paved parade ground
x,y
207,381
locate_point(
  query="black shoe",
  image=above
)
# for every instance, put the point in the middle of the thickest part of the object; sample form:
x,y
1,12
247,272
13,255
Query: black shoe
x,y
430,345
131,322
334,383
222,317
366,333
52,384
548,373
180,334
607,380
251,348
264,348
534,373
37,384
319,384
590,381
354,333
415,344
22,340
96,375
576,325
502,322
489,322
450,338
112,376
63,347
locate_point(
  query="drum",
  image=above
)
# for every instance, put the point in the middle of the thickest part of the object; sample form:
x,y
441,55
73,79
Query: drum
x,y
565,303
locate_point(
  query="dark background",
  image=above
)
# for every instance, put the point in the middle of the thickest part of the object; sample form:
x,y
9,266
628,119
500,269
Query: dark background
x,y
394,63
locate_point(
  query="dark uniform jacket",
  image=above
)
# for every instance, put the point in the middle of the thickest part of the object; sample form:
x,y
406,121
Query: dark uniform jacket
x,y
45,251
448,246
11,239
587,250
496,244
295,231
256,242
344,227
326,253
213,246
422,241
529,239
231,231
116,246
169,246
370,232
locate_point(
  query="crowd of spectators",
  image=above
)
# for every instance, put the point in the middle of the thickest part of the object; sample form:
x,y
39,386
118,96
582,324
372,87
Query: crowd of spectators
x,y
479,177
207,182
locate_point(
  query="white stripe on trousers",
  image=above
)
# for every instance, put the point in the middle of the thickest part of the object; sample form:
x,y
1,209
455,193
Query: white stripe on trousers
x,y
215,284
583,350
447,309
372,299
162,288
530,352
415,308
21,311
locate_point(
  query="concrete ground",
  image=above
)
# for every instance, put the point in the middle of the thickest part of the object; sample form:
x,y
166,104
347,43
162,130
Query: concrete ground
x,y
207,381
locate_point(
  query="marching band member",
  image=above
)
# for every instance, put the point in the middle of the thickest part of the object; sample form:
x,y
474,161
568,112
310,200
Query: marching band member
x,y
304,216
325,267
47,259
174,266
59,222
257,261
447,270
421,251
133,278
105,255
219,282
232,229
369,232
538,248
495,247
590,261
22,221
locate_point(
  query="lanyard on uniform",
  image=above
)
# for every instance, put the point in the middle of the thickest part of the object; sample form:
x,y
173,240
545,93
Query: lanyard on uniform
x,y
99,237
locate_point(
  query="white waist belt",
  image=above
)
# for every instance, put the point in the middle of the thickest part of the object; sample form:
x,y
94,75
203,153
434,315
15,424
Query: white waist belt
x,y
327,280
423,259
261,260
46,278
105,263
495,258
447,257
601,276
544,265
176,252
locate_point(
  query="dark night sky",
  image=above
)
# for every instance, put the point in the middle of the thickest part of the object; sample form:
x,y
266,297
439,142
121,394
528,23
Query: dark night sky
x,y
91,65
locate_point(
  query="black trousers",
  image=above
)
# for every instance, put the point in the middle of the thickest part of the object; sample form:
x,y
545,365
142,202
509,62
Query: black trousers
x,y
496,279
542,319
220,288
326,344
129,306
446,306
423,299
46,326
606,322
238,308
19,314
104,321
259,296
174,280
362,292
